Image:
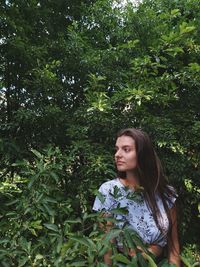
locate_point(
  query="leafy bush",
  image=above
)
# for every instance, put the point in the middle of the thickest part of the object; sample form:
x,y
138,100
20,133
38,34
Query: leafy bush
x,y
39,227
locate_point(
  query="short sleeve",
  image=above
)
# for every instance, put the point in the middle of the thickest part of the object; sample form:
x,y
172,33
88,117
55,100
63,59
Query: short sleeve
x,y
104,200
171,198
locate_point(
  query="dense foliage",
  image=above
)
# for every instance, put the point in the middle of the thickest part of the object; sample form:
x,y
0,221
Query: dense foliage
x,y
72,74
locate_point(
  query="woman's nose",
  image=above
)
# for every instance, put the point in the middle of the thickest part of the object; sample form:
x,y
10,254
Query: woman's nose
x,y
118,154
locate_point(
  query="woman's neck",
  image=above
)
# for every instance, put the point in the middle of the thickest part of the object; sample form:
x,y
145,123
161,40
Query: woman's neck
x,y
131,180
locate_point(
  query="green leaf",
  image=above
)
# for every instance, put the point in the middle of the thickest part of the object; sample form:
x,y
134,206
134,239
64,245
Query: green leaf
x,y
129,239
100,196
194,66
51,200
121,258
141,260
100,264
36,224
134,262
33,232
37,154
165,263
79,263
50,211
150,260
78,220
81,240
185,261
59,245
137,240
52,227
54,176
33,179
26,246
111,235
12,202
184,28
23,261
102,250
120,211
174,50
175,12
4,241
39,257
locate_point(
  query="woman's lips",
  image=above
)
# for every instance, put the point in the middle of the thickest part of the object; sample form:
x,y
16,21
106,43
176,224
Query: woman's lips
x,y
119,162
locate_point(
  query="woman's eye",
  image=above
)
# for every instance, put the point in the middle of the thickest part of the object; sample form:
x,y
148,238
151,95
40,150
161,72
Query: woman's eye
x,y
126,149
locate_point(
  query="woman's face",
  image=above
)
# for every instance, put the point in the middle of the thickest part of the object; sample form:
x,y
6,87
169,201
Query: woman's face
x,y
125,156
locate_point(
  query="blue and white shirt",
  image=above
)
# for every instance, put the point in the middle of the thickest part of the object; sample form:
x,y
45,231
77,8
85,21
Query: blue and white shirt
x,y
138,217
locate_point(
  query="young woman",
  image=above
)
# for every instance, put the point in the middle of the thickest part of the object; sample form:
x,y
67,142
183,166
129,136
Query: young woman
x,y
153,218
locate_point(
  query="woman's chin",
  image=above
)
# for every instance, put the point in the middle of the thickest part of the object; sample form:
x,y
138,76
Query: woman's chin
x,y
121,169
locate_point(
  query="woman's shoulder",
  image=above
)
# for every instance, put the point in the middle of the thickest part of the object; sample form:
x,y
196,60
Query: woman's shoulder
x,y
110,184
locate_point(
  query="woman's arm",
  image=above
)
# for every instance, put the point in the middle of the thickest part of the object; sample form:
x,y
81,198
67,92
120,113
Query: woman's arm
x,y
107,226
173,242
107,257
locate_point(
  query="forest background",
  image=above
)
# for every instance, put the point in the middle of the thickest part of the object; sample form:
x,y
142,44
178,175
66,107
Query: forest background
x,y
72,73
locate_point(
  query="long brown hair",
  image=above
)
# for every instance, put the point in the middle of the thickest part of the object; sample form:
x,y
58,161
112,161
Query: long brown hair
x,y
150,173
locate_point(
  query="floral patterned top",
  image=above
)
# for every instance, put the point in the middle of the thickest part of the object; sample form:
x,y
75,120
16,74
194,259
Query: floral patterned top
x,y
113,194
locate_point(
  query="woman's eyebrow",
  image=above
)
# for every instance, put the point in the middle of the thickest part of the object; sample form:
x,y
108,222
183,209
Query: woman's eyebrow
x,y
124,146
